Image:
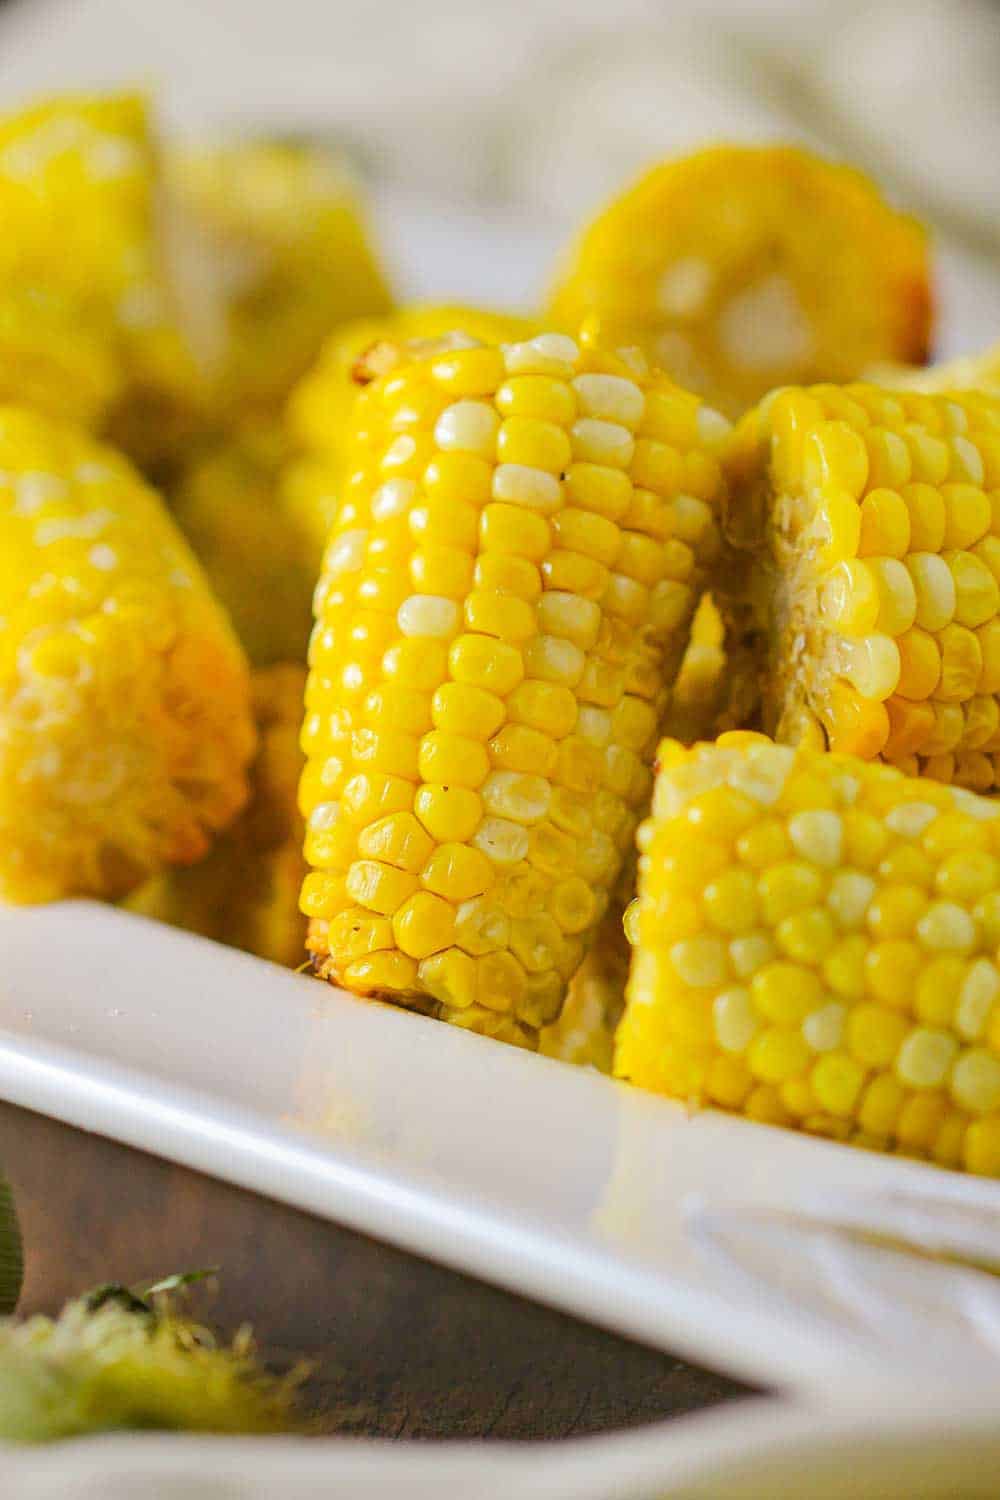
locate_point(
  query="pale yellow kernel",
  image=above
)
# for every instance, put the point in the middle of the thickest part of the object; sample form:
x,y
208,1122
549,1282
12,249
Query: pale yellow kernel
x,y
502,841
701,961
553,658
947,926
910,818
381,888
975,1081
849,897
481,926
535,941
599,442
925,1058
935,590
566,614
429,615
533,488
735,1021
750,952
817,837
823,1029
977,997
872,665
468,427
611,398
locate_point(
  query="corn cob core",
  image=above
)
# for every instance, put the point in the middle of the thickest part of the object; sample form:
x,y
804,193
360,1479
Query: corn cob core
x,y
260,561
523,532
288,258
79,189
124,697
740,268
245,892
873,519
816,945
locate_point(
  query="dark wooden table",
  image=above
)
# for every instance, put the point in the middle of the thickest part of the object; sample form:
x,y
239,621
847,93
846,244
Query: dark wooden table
x,y
400,1347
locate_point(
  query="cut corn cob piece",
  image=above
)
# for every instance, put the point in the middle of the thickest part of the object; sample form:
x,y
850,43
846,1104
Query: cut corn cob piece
x,y
52,361
741,268
321,406
79,194
815,945
505,600
125,722
259,561
873,518
283,230
971,372
245,892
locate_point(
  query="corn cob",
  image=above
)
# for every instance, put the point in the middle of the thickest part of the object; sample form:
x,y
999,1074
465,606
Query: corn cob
x,y
78,200
283,230
815,944
971,372
504,604
245,892
124,700
741,268
260,563
874,521
320,408
51,360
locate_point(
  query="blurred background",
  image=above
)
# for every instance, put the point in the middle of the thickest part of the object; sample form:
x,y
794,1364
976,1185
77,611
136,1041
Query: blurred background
x,y
531,112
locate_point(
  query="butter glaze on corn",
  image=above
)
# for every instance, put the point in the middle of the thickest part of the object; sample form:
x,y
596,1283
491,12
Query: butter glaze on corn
x,y
815,944
520,544
873,523
125,724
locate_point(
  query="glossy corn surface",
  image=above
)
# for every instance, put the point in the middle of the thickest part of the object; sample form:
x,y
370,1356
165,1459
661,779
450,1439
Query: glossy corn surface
x,y
245,892
741,268
260,561
284,239
79,188
872,519
505,599
320,408
124,699
816,945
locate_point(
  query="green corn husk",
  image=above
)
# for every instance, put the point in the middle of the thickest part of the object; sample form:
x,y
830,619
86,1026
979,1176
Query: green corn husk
x,y
114,1360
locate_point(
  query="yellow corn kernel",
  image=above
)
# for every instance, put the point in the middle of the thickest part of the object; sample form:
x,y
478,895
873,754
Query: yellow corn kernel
x,y
492,655
863,998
